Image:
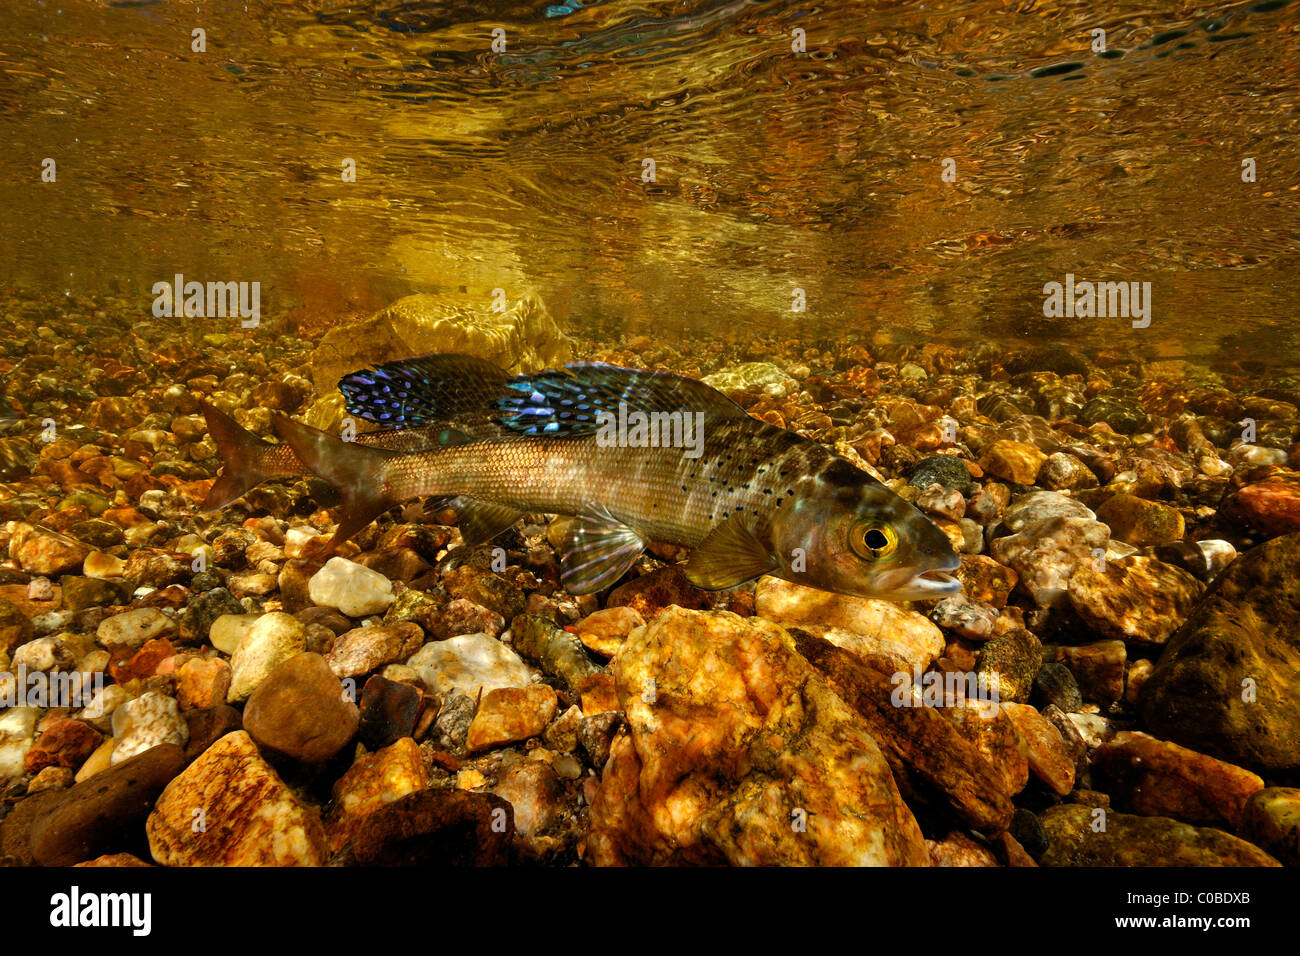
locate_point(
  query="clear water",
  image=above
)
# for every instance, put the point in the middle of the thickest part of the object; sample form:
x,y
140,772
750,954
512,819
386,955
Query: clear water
x,y
774,170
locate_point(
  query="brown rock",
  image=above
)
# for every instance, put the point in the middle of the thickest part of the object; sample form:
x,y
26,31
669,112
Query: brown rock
x,y
1049,755
437,828
653,592
207,725
301,710
374,781
510,714
365,649
1159,779
598,694
203,682
63,743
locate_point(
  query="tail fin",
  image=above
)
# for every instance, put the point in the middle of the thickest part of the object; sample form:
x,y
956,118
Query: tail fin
x,y
355,470
242,454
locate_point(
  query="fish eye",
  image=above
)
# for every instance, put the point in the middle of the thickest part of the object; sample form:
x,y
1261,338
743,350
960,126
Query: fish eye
x,y
872,542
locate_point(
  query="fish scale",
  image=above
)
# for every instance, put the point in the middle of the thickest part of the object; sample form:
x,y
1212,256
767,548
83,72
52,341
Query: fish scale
x,y
660,492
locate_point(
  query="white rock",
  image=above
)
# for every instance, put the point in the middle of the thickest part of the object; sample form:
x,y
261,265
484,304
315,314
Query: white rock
x,y
351,588
229,629
99,710
134,628
1218,553
272,640
151,719
861,625
17,732
1039,506
297,539
37,655
470,662
1046,554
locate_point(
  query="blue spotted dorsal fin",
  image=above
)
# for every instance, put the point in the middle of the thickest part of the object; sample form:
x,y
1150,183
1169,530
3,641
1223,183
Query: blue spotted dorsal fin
x,y
424,390
568,401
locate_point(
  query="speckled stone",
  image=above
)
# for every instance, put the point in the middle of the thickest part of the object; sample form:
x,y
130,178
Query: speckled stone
x,y
373,781
1135,599
511,714
365,649
229,808
1130,840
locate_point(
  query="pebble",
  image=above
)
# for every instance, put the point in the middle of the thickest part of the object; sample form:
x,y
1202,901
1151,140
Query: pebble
x,y
1013,461
469,663
365,649
1036,506
64,743
1271,821
1140,522
1098,668
1049,756
437,828
1064,472
145,722
1046,555
133,628
861,625
985,581
202,682
965,617
350,588
229,629
251,818
1137,599
301,710
373,781
389,710
605,631
559,654
507,715
1011,661
1128,840
272,640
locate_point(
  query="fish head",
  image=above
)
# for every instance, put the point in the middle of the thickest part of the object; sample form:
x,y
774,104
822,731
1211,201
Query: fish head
x,y
848,533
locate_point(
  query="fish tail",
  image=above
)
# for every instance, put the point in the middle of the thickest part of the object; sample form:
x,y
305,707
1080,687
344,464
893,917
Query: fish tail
x,y
355,470
242,459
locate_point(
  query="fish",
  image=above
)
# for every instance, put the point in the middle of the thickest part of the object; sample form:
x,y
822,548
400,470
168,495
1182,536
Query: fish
x,y
461,386
747,497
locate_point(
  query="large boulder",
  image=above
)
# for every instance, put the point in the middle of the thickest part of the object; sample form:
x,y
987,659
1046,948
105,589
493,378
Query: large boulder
x,y
523,338
740,752
1228,682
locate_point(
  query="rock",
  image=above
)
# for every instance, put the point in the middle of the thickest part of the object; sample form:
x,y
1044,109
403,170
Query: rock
x,y
1098,668
375,780
947,471
596,736
451,727
1140,522
48,552
1011,661
63,743
1228,681
562,734
208,725
51,778
203,609
965,617
351,588
458,617
1049,756
272,640
1036,506
510,714
559,654
523,338
651,593
202,682
985,581
229,629
364,649
544,818
1137,599
145,722
15,626
605,631
1129,840
1271,821
1123,414
941,501
389,710
1046,555
1270,507
115,859
104,814
486,589
957,849
134,628
1159,779
251,818
83,592
742,754
468,664
598,694
302,710
763,378
1064,472
437,828
995,737
861,625
1055,684
1012,461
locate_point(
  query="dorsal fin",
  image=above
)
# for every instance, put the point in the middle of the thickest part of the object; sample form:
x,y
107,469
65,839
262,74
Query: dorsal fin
x,y
567,401
424,390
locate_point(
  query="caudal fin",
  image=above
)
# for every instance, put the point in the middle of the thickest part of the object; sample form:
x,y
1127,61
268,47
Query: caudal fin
x,y
243,458
355,470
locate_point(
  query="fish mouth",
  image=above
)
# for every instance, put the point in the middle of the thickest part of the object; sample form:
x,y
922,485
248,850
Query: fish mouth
x,y
923,585
933,584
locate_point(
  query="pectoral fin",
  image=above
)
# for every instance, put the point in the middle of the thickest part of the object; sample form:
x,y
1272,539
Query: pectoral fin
x,y
731,554
481,521
596,552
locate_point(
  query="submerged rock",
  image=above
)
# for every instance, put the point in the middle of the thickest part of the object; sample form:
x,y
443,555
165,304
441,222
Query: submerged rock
x,y
740,752
1136,599
468,664
1271,821
302,710
351,588
248,816
1129,840
510,714
1228,682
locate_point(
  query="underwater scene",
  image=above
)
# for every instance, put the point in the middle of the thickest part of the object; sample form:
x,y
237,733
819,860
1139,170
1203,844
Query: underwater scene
x,y
687,433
